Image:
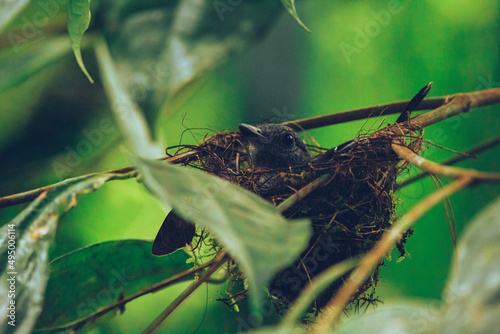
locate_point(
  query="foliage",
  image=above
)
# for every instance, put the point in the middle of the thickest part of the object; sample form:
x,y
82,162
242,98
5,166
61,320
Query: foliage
x,y
158,53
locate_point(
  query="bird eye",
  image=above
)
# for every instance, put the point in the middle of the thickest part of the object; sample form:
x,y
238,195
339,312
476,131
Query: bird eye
x,y
287,140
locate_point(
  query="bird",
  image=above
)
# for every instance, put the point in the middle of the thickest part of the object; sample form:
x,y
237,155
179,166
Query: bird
x,y
279,146
269,145
174,234
274,146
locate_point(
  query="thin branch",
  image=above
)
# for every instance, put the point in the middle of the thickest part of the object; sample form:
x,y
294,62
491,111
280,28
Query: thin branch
x,y
438,169
447,106
30,195
218,261
469,153
336,305
303,192
368,112
151,289
458,104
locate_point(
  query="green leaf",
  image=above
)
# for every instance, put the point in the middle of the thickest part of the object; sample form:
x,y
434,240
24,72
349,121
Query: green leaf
x,y
279,330
129,117
473,291
16,67
9,9
401,319
34,230
118,270
191,38
78,23
250,228
290,6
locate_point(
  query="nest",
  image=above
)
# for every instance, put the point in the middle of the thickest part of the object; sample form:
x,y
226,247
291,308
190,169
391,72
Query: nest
x,y
349,212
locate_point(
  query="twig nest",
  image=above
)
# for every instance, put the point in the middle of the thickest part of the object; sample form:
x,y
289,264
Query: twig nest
x,y
349,212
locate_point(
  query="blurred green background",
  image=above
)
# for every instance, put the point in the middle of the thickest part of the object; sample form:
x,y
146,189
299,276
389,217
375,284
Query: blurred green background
x,y
290,75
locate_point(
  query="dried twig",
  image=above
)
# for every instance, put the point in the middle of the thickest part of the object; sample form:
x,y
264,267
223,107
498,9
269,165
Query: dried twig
x,y
438,169
460,103
469,153
303,192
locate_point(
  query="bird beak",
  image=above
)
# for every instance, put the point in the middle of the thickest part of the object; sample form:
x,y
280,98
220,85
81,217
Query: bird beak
x,y
250,132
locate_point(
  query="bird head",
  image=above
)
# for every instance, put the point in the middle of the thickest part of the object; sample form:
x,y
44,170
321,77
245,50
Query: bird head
x,y
274,146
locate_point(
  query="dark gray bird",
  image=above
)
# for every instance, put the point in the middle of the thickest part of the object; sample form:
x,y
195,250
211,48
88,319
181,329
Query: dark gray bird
x,y
274,146
270,145
279,146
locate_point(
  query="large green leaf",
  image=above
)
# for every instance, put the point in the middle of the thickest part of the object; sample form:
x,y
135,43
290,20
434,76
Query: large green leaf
x,y
473,291
9,9
16,67
401,319
29,235
251,229
118,270
78,23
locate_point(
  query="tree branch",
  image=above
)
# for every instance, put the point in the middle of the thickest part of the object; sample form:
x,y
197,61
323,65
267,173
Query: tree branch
x,y
438,169
459,104
368,112
32,194
469,153
452,105
455,105
218,261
